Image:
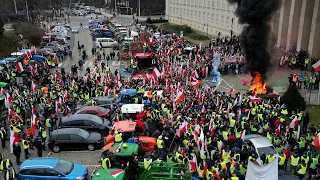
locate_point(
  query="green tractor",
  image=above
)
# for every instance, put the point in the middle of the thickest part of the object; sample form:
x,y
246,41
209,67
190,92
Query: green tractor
x,y
156,171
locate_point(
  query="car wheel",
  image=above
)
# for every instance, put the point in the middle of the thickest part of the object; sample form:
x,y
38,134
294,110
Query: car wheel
x,y
90,147
56,149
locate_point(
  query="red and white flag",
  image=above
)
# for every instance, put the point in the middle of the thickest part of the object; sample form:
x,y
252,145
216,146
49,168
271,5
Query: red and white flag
x,y
282,60
73,84
117,149
196,83
182,128
14,138
204,72
255,99
116,173
180,97
57,76
57,105
156,73
117,118
34,121
294,123
203,109
193,164
19,67
316,66
11,112
278,130
106,91
33,109
34,87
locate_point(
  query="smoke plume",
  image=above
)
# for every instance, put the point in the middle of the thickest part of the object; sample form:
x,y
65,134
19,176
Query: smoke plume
x,y
255,15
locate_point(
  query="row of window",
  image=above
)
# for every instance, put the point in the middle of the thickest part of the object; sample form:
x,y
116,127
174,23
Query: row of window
x,y
214,4
208,17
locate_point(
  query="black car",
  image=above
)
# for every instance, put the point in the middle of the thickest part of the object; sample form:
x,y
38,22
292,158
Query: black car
x,y
87,122
74,139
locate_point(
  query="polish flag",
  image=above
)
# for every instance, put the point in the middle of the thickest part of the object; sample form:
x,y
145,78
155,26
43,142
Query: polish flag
x,y
316,66
316,141
31,69
34,121
86,80
65,96
196,133
33,109
116,173
182,128
211,127
11,112
34,87
19,67
3,92
204,72
56,76
205,168
231,90
278,131
14,137
57,105
194,164
243,134
294,123
106,91
255,99
155,73
282,60
196,83
180,97
117,149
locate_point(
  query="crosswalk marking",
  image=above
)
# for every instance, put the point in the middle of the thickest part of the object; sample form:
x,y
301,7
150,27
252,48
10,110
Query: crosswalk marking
x,y
60,64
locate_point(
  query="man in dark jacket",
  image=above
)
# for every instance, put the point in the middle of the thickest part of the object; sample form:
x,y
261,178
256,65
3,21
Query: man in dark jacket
x,y
17,152
39,145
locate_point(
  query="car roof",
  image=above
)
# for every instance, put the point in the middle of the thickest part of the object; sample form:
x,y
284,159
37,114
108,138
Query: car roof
x,y
76,117
258,141
39,162
66,131
89,108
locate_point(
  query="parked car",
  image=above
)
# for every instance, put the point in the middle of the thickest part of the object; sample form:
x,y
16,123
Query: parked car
x,y
55,46
88,122
51,169
95,110
102,101
105,42
75,29
46,52
74,139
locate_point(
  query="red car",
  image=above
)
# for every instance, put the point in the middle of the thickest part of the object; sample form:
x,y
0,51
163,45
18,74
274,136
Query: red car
x,y
95,110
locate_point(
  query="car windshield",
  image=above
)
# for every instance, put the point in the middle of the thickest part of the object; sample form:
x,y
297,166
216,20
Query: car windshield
x,y
101,109
64,167
84,134
268,150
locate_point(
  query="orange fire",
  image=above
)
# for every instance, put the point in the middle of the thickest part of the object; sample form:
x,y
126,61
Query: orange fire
x,y
258,85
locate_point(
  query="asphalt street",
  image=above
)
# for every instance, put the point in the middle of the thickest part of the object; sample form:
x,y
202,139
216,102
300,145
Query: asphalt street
x,y
88,158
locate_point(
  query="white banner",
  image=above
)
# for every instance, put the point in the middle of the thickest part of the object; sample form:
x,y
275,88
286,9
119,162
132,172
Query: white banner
x,y
267,172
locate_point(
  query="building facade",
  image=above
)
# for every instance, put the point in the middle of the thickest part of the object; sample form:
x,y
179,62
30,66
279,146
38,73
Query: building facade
x,y
295,24
147,7
208,16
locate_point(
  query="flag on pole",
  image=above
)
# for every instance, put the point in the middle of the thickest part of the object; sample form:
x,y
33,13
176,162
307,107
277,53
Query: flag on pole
x,y
14,137
19,67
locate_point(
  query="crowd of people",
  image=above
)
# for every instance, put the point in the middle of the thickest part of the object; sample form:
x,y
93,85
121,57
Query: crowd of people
x,y
196,123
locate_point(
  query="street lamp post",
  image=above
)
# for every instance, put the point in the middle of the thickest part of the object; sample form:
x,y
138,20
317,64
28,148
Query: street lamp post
x,y
139,8
115,7
15,6
27,8
69,11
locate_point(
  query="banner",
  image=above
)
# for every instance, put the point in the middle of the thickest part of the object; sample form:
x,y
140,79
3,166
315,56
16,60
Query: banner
x,y
267,172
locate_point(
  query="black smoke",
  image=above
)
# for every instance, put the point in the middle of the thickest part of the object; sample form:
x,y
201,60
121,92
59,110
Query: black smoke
x,y
255,15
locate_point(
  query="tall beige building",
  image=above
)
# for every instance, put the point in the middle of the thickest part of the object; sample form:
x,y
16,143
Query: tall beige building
x,y
296,23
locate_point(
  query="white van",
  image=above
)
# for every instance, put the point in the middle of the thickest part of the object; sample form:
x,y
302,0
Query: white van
x,y
132,108
105,42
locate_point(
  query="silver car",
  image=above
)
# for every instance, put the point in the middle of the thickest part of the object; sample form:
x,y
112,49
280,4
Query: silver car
x,y
75,29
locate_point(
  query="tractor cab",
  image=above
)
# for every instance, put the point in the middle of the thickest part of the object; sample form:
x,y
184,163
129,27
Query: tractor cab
x,y
144,60
126,96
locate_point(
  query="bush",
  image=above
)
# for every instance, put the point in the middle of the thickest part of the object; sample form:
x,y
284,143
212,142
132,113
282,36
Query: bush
x,y
293,99
8,43
30,31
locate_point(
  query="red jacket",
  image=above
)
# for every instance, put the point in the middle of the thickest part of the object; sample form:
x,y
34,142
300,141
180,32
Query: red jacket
x,y
140,124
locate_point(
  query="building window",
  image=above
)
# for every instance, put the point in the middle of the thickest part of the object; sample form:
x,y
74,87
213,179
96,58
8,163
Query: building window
x,y
200,3
184,12
195,15
213,4
192,13
228,21
170,10
218,5
217,18
199,15
223,5
208,17
212,18
204,16
188,12
222,20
